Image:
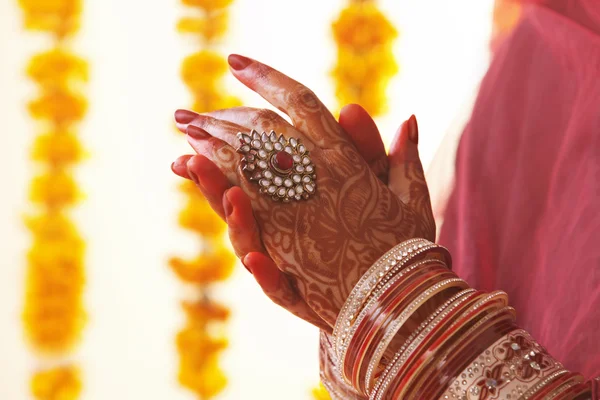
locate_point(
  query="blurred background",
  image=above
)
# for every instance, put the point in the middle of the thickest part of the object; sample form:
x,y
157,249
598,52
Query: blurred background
x,y
128,216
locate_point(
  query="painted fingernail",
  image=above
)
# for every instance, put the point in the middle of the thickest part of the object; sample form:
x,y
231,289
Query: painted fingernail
x,y
227,206
184,116
413,129
238,62
196,132
176,166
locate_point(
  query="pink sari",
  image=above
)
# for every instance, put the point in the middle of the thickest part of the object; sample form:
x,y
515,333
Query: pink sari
x,y
524,215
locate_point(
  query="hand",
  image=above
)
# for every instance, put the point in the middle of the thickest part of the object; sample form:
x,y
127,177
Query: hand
x,y
322,245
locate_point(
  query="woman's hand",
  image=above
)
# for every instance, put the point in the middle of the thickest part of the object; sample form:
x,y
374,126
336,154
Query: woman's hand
x,y
323,245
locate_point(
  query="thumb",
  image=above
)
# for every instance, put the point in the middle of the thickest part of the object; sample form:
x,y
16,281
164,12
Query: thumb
x,y
363,132
407,177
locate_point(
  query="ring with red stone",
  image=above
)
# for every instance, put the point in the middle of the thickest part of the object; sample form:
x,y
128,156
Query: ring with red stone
x,y
281,167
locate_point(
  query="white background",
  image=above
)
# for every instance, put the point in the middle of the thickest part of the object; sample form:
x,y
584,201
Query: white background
x,y
129,216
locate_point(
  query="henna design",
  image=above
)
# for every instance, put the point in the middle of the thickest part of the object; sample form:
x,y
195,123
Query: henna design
x,y
419,199
327,242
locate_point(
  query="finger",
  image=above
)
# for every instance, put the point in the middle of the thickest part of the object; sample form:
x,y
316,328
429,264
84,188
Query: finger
x,y
363,132
204,125
200,126
210,180
260,119
220,153
279,288
179,166
226,164
242,227
407,177
307,112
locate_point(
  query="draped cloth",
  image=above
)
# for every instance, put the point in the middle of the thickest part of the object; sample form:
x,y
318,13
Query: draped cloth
x,y
524,213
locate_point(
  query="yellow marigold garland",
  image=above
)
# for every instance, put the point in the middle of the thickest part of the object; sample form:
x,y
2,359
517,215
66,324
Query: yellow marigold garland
x,y
365,61
201,340
53,314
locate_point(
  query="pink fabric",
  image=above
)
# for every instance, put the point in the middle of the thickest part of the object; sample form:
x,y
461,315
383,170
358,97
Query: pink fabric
x,y
524,215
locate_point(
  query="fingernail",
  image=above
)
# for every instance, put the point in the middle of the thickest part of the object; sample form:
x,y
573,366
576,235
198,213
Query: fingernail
x,y
196,132
238,62
175,166
184,116
413,129
227,206
244,264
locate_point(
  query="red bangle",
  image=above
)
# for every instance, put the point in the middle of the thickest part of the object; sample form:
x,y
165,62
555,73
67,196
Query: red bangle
x,y
463,351
554,386
380,342
491,301
404,357
473,322
423,329
380,311
380,336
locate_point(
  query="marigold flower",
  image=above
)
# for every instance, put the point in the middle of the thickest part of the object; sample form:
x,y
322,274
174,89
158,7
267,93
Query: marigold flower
x,y
54,189
60,106
208,5
53,227
203,311
59,383
206,268
57,67
360,68
199,217
61,258
53,315
206,379
371,97
53,325
363,26
58,16
210,27
202,69
57,148
198,361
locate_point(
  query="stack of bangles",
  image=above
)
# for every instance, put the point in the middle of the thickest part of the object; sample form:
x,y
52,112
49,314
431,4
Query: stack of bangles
x,y
411,329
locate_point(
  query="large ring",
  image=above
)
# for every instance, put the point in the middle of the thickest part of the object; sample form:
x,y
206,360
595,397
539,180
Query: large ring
x,y
281,167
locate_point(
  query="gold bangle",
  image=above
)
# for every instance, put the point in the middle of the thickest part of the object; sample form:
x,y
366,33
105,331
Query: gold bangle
x,y
566,386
